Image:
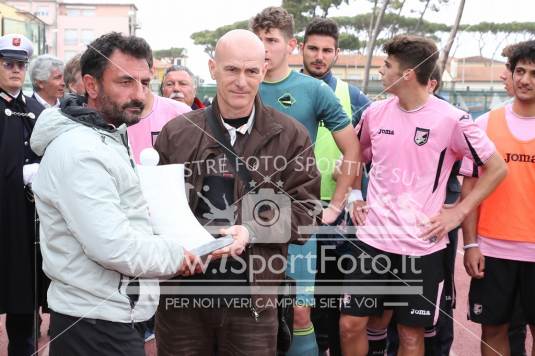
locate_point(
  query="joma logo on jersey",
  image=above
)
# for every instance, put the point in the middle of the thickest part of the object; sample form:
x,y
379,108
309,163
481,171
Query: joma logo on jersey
x,y
421,136
420,312
518,157
286,100
386,131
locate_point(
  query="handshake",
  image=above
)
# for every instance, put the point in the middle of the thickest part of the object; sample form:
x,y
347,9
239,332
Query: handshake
x,y
192,264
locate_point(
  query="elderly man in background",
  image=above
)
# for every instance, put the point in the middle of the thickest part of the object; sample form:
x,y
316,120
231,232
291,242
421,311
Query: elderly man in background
x,y
46,74
73,76
179,84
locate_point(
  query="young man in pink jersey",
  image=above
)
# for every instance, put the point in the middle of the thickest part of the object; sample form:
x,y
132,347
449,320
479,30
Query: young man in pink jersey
x,y
499,237
412,140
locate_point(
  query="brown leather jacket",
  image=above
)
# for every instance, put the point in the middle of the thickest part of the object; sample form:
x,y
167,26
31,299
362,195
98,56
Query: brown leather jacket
x,y
188,139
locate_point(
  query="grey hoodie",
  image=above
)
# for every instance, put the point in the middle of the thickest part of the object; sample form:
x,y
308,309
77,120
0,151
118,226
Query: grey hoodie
x,y
96,239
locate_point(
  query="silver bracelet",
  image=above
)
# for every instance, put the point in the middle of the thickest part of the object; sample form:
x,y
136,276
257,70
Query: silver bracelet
x,y
466,247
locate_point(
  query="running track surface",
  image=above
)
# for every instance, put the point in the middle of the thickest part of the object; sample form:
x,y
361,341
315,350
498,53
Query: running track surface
x,y
466,341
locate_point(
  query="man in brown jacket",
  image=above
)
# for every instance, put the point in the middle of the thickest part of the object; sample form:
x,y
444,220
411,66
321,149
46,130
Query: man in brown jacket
x,y
265,208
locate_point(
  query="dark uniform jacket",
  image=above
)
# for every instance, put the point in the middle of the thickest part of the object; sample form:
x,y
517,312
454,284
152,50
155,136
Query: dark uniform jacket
x,y
17,210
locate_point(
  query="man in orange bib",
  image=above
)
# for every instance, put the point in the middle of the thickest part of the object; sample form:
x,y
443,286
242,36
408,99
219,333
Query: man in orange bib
x,y
499,237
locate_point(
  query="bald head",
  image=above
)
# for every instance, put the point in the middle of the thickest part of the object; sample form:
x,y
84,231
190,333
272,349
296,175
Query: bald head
x,y
238,67
243,41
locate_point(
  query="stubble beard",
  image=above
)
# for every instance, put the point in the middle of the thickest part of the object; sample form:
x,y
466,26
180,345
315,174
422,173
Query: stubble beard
x,y
117,115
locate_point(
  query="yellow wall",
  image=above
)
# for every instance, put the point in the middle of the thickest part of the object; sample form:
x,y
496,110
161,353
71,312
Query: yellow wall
x,y
10,12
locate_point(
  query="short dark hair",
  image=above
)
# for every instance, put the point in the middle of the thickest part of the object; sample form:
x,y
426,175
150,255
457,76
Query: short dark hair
x,y
523,51
273,17
323,27
71,68
414,52
96,57
508,50
437,75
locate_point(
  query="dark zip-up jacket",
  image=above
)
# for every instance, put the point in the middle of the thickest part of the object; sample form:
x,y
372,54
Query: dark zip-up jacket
x,y
188,139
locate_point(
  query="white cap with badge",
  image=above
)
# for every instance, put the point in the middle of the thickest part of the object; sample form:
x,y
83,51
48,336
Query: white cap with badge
x,y
16,47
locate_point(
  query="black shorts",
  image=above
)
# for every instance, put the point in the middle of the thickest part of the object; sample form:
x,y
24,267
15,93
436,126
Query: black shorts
x,y
492,298
376,280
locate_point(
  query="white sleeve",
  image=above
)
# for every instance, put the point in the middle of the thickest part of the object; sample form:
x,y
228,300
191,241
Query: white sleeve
x,y
90,203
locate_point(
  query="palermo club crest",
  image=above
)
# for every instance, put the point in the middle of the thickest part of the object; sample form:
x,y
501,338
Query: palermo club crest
x,y
421,136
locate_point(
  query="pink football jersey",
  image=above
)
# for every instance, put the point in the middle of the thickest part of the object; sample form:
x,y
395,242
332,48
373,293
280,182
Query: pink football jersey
x,y
412,154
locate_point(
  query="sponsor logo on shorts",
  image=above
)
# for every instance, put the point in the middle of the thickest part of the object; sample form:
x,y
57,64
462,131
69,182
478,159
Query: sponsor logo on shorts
x,y
478,309
420,312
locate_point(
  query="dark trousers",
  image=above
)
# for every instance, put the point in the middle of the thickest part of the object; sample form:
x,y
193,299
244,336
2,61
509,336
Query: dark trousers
x,y
325,315
444,329
19,328
88,337
197,331
443,339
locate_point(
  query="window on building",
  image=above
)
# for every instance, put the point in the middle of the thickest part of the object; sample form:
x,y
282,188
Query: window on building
x,y
42,11
71,37
88,12
73,12
87,36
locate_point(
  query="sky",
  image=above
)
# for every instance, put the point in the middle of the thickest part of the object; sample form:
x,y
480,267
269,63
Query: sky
x,y
170,23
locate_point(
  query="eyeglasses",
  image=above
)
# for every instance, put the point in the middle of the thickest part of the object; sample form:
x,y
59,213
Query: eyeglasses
x,y
10,65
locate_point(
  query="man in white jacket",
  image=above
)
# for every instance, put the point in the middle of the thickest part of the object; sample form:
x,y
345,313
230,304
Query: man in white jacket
x,y
97,243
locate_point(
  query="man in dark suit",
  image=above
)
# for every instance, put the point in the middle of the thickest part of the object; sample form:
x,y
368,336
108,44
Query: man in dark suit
x,y
46,74
18,165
